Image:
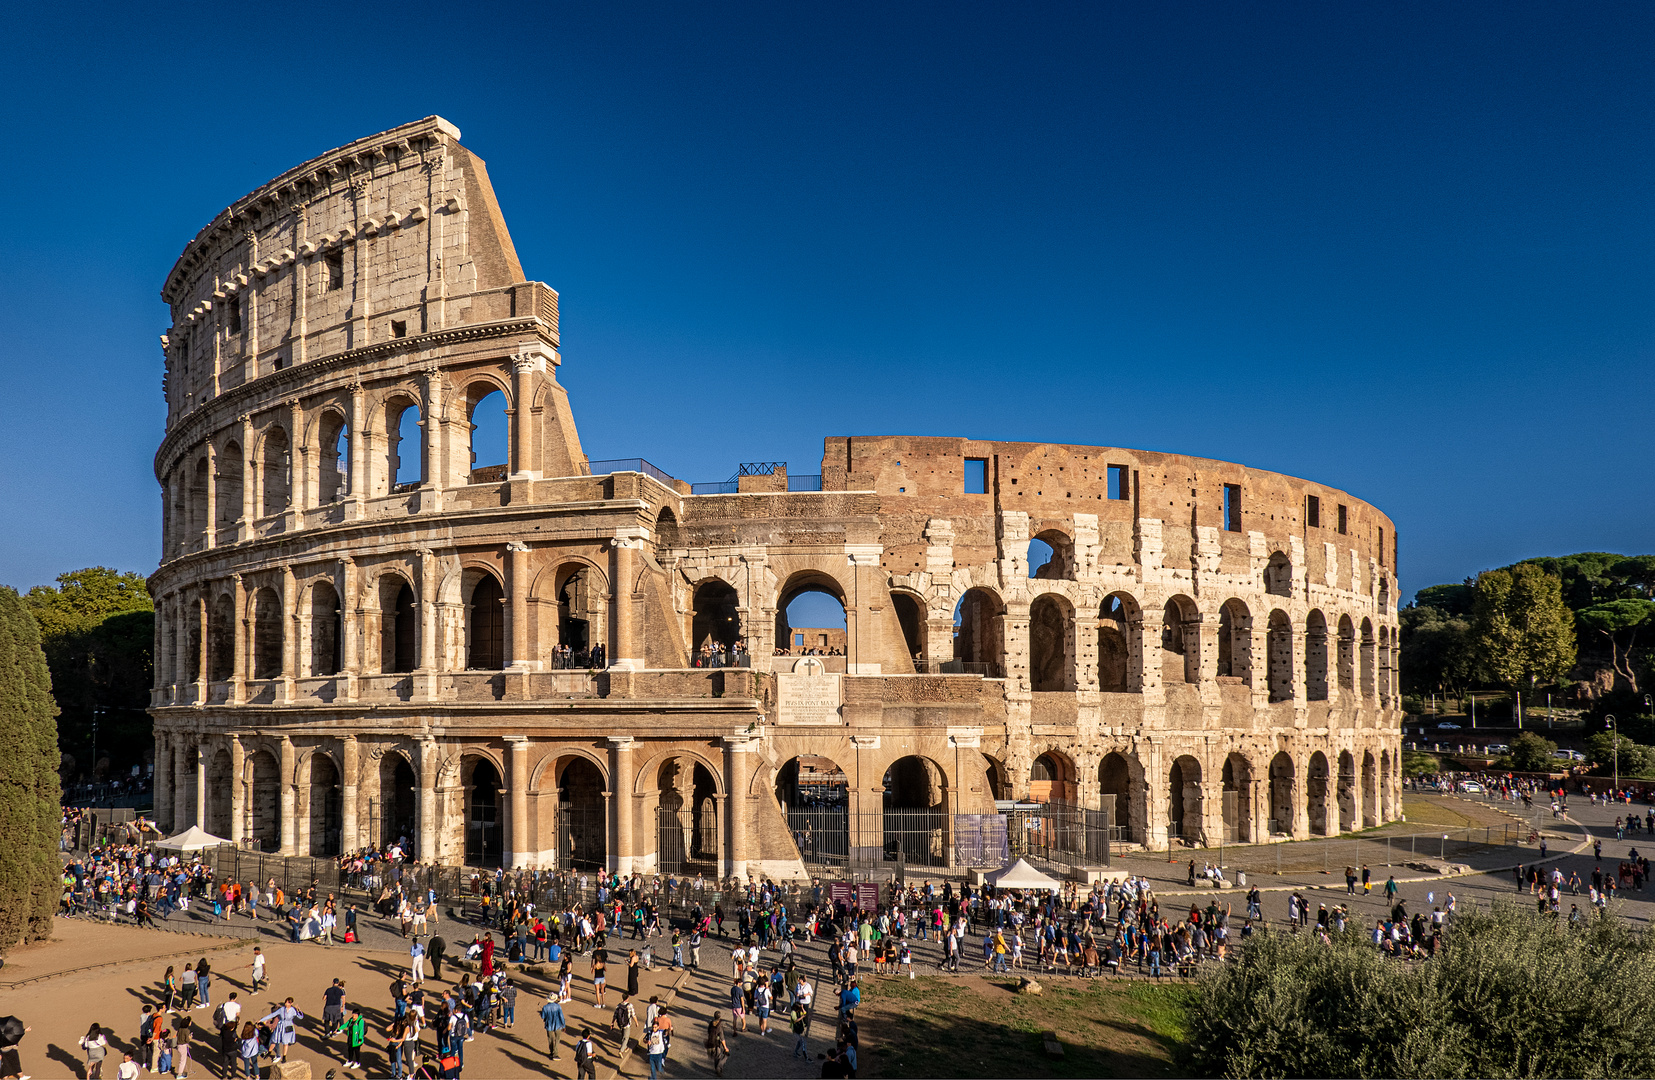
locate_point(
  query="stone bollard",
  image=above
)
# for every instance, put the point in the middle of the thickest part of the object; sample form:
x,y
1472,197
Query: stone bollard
x,y
290,1070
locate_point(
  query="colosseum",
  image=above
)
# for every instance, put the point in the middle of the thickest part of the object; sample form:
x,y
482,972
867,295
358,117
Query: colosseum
x,y
374,629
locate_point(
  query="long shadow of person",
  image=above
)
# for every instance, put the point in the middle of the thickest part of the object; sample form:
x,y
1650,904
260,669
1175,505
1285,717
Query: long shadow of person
x,y
70,1060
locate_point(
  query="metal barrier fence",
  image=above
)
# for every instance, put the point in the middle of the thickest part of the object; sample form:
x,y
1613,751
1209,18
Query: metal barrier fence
x,y
1062,833
1333,854
831,838
291,872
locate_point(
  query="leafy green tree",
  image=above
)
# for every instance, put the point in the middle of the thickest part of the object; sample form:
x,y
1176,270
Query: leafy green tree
x,y
1619,622
1451,601
1508,997
1635,760
1523,634
1436,652
97,629
1638,573
1531,753
29,791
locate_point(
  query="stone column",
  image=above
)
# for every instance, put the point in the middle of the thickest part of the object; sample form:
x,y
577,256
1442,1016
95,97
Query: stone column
x,y
521,654
200,755
249,471
738,758
182,672
517,782
241,629
624,651
431,494
426,849
620,785
349,751
161,783
350,627
522,430
295,418
293,624
181,755
430,627
287,785
359,449
238,791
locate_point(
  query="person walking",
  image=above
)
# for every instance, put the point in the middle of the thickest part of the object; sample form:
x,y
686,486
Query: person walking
x,y
95,1045
416,962
551,1014
655,1044
718,1048
356,1033
435,949
258,970
586,1057
249,1051
799,1019
203,984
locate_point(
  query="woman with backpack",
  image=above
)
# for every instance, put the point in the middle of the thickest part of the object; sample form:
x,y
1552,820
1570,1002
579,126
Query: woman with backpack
x,y
718,1048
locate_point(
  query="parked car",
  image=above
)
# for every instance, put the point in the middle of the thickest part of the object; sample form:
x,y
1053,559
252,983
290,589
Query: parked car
x,y
1471,786
1569,755
1497,748
1448,726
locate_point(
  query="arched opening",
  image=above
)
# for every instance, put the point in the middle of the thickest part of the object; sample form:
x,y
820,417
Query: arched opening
x,y
994,775
276,459
333,459
1347,792
715,620
581,614
582,828
1384,592
1347,654
686,818
1282,776
326,630
1235,642
227,485
810,616
1370,791
915,812
1180,641
267,635
1368,688
1184,801
221,640
910,615
1052,779
814,794
1051,644
326,806
979,624
265,802
1278,575
1115,785
1279,645
1238,799
399,621
200,511
1316,793
1118,627
490,434
1051,556
483,796
404,448
485,624
666,529
220,784
1383,675
396,807
1315,656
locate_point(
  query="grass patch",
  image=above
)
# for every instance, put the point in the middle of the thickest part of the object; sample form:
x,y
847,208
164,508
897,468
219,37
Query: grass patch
x,y
980,1027
1423,810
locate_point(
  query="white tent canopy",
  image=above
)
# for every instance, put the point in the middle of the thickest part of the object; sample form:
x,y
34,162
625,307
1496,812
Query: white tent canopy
x,y
1020,875
194,838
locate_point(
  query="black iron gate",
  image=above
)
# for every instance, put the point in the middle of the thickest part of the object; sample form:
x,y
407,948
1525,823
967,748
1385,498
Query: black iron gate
x,y
822,833
582,840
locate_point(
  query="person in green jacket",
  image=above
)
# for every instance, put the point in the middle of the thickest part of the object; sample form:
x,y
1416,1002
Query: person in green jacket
x,y
356,1033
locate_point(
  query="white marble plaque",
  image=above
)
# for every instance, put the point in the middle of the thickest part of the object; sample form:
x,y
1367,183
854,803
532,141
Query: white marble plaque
x,y
808,695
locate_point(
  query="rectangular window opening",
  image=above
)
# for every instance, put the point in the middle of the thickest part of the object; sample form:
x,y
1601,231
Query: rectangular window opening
x,y
1342,516
1381,547
1120,482
336,270
1313,512
399,328
976,476
1232,507
233,310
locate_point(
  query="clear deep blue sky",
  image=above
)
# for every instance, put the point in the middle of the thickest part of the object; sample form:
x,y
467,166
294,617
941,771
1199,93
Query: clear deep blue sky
x,y
1405,250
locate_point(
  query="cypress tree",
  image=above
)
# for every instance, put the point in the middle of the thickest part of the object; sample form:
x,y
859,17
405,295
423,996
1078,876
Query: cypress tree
x,y
29,792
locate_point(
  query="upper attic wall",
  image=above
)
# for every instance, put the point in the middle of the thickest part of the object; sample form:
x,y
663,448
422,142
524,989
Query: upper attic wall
x,y
923,477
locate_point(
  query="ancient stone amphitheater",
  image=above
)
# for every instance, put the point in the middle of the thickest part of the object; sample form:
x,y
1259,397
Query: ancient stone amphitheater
x,y
369,631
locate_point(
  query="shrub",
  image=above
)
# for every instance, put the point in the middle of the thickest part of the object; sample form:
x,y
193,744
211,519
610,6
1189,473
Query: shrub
x,y
1514,993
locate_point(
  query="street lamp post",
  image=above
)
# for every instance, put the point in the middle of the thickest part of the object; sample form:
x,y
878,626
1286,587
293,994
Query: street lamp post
x,y
1613,726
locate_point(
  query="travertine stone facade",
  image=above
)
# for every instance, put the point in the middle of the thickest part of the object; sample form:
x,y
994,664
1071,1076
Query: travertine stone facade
x,y
359,623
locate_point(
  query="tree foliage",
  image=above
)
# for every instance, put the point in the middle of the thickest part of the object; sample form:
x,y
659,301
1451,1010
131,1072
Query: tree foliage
x,y
29,791
1513,994
1531,753
1635,760
97,630
1522,633
1619,622
1436,651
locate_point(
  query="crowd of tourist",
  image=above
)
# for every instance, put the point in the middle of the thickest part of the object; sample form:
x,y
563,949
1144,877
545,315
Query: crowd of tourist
x,y
718,654
568,658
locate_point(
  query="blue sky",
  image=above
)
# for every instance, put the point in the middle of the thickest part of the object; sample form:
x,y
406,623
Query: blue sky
x,y
1403,249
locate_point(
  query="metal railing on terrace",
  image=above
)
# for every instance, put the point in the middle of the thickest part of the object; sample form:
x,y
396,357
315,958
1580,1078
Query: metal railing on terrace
x,y
637,465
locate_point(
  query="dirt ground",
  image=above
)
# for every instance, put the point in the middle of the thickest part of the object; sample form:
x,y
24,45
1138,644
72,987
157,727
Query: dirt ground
x,y
61,1007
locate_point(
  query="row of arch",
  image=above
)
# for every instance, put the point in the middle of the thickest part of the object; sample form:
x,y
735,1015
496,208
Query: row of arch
x,y
209,495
